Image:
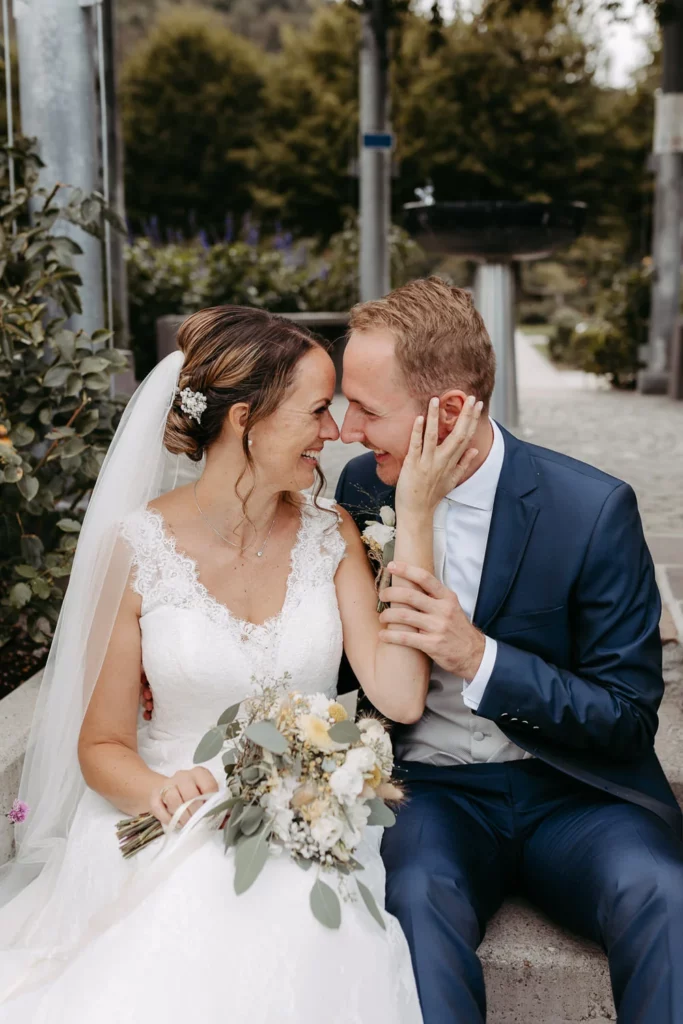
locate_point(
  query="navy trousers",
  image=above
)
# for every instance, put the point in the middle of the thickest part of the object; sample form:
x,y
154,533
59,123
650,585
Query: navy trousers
x,y
604,868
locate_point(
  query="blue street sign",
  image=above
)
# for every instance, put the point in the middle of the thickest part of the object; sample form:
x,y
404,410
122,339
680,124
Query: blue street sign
x,y
378,140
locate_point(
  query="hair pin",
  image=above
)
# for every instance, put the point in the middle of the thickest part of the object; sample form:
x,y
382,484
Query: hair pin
x,y
193,403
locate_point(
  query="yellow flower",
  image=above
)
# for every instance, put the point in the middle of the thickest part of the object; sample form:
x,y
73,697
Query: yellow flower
x,y
316,733
337,712
376,777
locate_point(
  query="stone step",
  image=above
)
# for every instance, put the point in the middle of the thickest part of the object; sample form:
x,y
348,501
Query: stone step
x,y
537,973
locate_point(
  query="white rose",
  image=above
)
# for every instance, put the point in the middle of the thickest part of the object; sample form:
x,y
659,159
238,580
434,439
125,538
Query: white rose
x,y
327,831
357,816
346,784
379,533
319,705
387,515
277,803
360,759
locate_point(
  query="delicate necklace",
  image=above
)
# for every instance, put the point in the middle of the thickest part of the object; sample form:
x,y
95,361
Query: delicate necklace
x,y
232,543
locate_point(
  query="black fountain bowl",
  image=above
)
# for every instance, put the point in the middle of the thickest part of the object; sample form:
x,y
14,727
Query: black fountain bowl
x,y
494,230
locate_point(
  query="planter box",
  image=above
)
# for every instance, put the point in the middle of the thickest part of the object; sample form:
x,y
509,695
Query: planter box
x,y
16,714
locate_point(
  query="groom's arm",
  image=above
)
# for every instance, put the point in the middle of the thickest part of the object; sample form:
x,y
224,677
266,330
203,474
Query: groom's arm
x,y
610,701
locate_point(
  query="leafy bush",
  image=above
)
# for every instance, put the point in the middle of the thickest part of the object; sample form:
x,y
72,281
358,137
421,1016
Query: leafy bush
x,y
175,278
56,414
564,321
610,342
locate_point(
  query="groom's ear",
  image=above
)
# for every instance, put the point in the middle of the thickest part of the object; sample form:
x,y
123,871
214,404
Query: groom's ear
x,y
451,407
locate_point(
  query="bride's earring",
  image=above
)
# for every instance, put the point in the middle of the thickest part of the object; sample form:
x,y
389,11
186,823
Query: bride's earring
x,y
250,442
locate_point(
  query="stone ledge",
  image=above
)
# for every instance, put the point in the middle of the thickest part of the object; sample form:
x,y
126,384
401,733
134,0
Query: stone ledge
x,y
537,974
16,712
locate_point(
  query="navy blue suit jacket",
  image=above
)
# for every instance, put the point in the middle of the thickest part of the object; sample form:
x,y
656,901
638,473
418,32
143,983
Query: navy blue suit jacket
x,y
568,591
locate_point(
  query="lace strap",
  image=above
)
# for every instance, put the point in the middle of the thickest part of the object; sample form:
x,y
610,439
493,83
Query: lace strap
x,y
321,546
159,571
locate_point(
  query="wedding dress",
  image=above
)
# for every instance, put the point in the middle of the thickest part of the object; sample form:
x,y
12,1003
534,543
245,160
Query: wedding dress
x,y
163,938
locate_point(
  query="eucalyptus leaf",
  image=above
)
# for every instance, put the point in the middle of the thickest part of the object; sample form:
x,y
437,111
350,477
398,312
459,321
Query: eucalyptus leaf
x,y
253,774
251,855
388,551
369,901
230,714
266,735
380,814
345,732
209,746
232,828
251,819
304,864
222,807
325,905
230,757
349,701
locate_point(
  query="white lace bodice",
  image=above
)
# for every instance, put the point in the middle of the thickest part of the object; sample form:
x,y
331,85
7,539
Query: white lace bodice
x,y
200,658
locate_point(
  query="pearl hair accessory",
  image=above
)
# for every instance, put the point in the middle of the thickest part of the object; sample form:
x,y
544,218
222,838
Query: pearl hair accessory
x,y
193,403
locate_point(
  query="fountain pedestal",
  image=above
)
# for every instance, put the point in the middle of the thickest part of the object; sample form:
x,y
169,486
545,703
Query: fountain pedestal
x,y
495,233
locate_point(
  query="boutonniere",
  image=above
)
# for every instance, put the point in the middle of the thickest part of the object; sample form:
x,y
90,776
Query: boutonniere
x,y
380,539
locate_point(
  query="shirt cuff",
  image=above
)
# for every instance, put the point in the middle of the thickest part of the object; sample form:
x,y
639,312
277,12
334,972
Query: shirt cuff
x,y
473,693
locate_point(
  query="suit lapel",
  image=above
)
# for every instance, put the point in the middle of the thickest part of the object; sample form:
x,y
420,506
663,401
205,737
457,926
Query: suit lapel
x,y
512,520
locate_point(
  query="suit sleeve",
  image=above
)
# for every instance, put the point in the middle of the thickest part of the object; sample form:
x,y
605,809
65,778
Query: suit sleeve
x,y
608,702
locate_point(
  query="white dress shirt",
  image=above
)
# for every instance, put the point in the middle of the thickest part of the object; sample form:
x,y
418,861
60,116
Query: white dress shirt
x,y
448,732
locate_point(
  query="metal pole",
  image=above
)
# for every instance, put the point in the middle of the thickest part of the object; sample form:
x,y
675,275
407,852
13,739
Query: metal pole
x,y
104,132
668,217
494,297
6,26
57,95
375,156
119,287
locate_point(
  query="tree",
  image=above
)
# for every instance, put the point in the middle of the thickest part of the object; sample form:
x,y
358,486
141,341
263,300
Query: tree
x,y
302,160
191,106
507,108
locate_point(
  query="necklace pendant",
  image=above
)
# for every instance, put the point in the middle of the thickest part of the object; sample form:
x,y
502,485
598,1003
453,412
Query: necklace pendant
x,y
258,554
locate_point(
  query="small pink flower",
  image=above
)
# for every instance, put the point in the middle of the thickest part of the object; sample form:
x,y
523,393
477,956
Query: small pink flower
x,y
19,812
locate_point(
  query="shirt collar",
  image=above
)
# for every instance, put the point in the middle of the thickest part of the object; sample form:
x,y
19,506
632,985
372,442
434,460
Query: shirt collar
x,y
479,490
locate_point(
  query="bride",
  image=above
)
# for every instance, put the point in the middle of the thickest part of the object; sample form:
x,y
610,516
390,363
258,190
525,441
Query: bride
x,y
201,561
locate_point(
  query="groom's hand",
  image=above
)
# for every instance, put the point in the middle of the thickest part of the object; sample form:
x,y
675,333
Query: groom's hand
x,y
445,634
146,698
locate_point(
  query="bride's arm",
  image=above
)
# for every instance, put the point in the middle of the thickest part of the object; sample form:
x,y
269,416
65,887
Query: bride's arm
x,y
107,746
396,679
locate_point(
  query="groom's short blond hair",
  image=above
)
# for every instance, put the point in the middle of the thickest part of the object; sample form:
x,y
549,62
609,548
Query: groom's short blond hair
x,y
441,339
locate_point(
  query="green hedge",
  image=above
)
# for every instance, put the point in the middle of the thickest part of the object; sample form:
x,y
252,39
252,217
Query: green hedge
x,y
274,275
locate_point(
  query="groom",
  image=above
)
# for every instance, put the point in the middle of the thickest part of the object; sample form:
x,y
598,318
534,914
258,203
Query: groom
x,y
532,767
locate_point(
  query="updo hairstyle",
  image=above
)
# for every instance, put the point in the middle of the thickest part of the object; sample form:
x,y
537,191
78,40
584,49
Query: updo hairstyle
x,y
233,354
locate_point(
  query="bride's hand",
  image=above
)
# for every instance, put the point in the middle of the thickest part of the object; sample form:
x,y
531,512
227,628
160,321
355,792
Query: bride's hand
x,y
431,470
181,787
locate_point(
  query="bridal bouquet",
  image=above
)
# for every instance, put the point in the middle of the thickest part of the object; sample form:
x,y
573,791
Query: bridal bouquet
x,y
301,777
380,538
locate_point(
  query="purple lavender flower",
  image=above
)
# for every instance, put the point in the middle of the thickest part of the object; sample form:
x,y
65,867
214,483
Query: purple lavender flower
x,y
18,813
